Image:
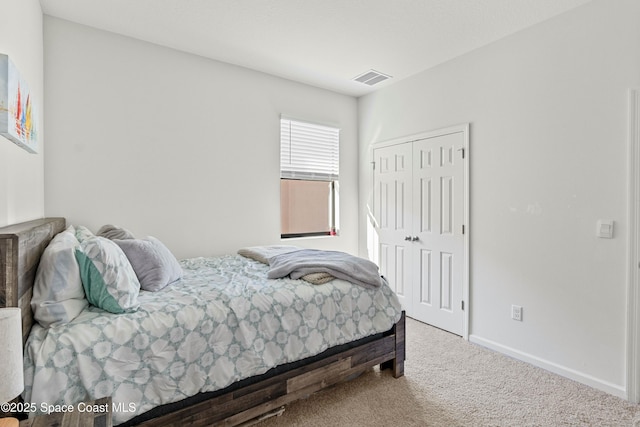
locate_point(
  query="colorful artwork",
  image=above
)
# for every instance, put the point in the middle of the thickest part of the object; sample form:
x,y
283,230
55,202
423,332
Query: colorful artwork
x,y
17,115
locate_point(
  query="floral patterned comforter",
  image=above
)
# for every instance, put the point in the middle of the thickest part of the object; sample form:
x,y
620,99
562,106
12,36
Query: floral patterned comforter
x,y
223,322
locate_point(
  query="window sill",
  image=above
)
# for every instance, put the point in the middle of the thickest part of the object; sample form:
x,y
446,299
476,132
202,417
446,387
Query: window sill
x,y
307,237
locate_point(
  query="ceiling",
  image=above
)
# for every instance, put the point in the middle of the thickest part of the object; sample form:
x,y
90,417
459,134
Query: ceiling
x,y
324,43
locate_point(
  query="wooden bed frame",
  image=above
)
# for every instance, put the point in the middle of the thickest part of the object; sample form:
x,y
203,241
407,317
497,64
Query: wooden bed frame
x,y
21,246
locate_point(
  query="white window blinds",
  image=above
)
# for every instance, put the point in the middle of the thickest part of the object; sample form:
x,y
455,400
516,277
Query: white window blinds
x,y
308,151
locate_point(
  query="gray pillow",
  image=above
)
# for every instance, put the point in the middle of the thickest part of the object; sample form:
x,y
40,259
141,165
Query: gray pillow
x,y
113,232
153,262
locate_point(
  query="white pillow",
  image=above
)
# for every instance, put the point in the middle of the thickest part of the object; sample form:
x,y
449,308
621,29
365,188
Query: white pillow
x,y
83,233
58,296
107,276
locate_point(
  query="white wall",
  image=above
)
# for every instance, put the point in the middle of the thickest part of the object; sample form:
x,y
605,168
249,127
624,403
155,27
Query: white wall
x,y
548,114
21,173
176,146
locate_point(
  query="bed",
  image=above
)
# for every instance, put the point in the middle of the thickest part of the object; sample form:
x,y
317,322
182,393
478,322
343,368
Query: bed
x,y
227,400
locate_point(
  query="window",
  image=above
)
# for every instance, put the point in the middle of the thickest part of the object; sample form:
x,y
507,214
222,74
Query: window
x,y
309,157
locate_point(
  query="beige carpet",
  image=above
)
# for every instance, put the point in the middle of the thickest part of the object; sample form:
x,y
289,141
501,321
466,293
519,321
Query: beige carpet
x,y
450,382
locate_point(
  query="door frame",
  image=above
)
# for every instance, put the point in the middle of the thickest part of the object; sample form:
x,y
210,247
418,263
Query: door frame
x,y
633,287
464,129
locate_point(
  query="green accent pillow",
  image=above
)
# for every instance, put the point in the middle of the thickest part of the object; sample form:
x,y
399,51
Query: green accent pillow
x,y
107,276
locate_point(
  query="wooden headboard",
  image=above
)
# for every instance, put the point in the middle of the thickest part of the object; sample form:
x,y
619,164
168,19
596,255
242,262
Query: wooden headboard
x,y
21,246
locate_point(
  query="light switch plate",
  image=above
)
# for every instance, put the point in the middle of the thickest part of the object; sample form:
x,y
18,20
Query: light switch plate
x,y
605,229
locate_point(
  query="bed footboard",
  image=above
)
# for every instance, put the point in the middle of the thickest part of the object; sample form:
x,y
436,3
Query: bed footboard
x,y
397,363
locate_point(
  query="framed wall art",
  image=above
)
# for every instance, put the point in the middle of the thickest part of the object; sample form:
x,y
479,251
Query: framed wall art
x,y
17,112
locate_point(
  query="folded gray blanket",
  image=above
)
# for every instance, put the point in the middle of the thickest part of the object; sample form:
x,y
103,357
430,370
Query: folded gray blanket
x,y
263,253
338,264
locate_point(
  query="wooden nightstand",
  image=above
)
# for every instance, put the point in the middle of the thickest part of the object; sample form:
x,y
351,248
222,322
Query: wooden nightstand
x,y
82,415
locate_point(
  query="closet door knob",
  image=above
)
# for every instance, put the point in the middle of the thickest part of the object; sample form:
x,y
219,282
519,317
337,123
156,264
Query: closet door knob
x,y
415,238
407,238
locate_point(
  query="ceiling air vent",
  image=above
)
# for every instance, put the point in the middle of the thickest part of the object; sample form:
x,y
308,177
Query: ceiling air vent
x,y
371,77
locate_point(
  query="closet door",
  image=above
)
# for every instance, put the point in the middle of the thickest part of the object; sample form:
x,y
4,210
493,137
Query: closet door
x,y
438,251
419,208
392,211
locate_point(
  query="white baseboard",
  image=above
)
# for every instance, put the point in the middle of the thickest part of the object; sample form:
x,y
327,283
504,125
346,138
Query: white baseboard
x,y
572,374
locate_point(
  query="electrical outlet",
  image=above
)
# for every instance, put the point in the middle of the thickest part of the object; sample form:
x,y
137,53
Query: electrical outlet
x,y
516,312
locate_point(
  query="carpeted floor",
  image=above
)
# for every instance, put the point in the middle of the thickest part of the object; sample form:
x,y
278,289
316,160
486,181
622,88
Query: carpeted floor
x,y
450,382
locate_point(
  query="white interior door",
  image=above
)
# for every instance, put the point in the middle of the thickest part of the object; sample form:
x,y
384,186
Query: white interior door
x,y
438,195
419,206
392,210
